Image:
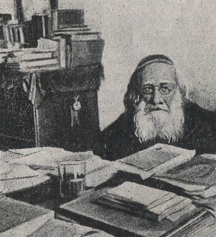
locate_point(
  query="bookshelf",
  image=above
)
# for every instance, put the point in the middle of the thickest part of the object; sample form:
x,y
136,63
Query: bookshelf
x,y
49,84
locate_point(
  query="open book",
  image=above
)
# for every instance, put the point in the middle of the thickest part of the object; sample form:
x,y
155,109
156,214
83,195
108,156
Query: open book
x,y
158,158
150,203
195,177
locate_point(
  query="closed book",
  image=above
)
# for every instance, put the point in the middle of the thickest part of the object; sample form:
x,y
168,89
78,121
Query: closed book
x,y
86,52
84,36
79,35
155,160
69,30
39,28
64,18
21,219
4,18
17,33
33,63
25,56
44,68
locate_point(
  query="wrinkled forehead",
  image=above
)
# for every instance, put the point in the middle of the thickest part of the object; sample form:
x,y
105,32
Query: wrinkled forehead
x,y
157,73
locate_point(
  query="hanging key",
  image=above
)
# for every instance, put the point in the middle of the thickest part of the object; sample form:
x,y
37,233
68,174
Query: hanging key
x,y
75,112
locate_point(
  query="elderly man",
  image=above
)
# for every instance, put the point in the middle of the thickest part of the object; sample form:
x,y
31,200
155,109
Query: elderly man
x,y
157,111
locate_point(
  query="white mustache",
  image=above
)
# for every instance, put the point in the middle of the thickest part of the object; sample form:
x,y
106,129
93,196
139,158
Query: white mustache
x,y
149,108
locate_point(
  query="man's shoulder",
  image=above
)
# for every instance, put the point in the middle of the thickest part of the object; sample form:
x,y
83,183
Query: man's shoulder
x,y
197,112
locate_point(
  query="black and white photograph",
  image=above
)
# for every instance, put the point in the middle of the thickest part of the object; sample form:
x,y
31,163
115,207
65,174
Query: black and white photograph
x,y
107,118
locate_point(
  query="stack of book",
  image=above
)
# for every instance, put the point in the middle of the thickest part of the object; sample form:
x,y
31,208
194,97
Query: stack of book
x,y
147,202
83,46
73,42
44,57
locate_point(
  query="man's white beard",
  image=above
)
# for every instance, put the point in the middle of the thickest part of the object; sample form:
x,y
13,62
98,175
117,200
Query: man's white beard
x,y
166,125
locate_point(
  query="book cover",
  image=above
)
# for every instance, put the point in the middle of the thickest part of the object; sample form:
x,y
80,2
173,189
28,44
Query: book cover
x,y
86,52
19,217
32,63
156,159
197,175
64,18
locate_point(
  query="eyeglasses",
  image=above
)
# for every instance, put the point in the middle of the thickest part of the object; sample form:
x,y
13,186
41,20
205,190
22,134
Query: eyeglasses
x,y
164,89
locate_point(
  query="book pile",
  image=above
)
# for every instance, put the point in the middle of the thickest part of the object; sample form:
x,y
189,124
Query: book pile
x,y
82,46
196,177
147,202
44,57
63,41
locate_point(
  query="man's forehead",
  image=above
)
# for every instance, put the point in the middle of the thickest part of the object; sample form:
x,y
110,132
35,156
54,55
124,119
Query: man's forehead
x,y
157,73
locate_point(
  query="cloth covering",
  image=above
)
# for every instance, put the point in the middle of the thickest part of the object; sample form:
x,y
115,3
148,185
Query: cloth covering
x,y
37,85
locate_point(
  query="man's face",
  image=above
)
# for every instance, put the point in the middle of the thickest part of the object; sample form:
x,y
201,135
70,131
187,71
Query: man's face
x,y
159,113
158,86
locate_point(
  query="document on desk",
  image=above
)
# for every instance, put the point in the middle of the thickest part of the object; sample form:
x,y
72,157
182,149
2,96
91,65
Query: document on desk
x,y
156,159
15,171
49,157
60,228
14,177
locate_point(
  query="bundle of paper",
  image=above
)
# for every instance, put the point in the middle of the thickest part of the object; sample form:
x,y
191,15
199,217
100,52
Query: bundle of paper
x,y
196,177
147,202
46,159
158,158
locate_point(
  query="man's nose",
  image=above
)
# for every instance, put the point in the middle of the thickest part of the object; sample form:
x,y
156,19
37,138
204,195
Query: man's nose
x,y
157,97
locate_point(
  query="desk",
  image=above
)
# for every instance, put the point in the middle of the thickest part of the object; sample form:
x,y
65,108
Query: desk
x,y
122,224
87,212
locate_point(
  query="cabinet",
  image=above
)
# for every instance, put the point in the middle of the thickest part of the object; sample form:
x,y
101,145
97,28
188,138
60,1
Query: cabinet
x,y
37,109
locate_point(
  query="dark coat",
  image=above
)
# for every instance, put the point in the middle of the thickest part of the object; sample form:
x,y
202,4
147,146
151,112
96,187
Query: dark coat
x,y
118,139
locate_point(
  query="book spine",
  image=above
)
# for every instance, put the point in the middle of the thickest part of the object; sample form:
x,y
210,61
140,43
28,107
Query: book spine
x,y
85,37
35,63
68,55
39,27
54,20
62,52
52,67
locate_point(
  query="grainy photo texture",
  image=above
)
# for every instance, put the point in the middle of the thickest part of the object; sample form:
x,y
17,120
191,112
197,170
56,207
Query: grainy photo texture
x,y
108,118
